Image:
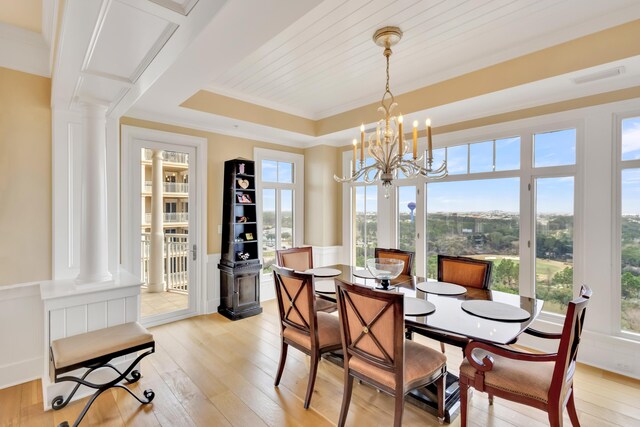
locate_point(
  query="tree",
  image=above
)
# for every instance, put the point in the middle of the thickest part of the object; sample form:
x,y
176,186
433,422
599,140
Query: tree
x,y
564,277
506,273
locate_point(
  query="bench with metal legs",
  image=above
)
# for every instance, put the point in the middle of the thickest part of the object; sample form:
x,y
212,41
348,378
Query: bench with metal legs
x,y
96,350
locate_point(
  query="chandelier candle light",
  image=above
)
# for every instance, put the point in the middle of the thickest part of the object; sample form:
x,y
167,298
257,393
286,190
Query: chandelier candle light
x,y
388,147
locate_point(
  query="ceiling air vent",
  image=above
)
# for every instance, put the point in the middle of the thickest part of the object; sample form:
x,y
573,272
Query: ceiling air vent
x,y
605,74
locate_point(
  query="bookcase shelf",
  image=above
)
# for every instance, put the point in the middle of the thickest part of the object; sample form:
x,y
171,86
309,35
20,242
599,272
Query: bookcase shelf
x,y
239,264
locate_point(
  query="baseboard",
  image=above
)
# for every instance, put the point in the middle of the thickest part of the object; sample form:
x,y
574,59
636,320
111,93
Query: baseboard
x,y
212,305
20,372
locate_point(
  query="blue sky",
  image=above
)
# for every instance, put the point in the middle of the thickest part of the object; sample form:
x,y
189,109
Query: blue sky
x,y
631,177
273,171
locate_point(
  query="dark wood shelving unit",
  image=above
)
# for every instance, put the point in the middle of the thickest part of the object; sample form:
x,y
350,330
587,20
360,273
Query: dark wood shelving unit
x,y
239,264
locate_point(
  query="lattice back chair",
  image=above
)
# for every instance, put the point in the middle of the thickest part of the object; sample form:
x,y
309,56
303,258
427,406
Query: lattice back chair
x,y
406,256
464,271
298,259
302,327
544,381
375,351
301,259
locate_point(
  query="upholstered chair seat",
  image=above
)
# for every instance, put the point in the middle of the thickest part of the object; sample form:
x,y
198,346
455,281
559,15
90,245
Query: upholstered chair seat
x,y
420,362
328,333
510,375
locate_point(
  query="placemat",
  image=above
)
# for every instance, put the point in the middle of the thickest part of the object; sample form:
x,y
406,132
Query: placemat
x,y
324,272
325,286
363,274
495,310
441,288
417,307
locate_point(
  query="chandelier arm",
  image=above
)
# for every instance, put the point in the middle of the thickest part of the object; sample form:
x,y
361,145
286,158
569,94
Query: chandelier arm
x,y
386,147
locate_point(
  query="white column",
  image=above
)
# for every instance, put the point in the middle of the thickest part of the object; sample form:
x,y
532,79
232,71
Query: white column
x,y
94,245
156,256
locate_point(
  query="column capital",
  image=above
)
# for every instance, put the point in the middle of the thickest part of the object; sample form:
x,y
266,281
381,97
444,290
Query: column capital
x,y
93,109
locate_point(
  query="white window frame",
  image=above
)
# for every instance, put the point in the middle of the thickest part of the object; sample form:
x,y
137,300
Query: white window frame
x,y
528,174
260,154
616,270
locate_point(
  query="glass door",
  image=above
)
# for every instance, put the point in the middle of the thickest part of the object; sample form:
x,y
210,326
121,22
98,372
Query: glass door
x,y
166,233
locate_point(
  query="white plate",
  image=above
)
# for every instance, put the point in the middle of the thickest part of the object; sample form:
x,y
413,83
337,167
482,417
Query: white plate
x,y
495,310
363,274
441,288
324,272
417,307
325,286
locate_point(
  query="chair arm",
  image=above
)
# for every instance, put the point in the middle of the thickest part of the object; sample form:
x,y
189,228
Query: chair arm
x,y
540,334
486,364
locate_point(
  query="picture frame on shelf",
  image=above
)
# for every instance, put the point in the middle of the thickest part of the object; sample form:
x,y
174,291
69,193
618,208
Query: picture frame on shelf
x,y
248,236
244,198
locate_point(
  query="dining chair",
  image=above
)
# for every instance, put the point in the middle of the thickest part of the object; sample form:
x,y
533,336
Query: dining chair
x,y
406,256
544,381
302,326
464,271
375,351
301,259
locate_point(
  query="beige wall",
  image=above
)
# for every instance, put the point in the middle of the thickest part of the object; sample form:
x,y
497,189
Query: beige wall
x,y
322,196
220,148
25,177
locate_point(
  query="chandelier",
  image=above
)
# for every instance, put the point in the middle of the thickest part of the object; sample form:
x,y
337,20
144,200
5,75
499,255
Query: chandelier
x,y
387,147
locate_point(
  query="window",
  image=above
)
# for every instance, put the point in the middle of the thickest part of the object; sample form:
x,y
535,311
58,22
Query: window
x,y
554,242
365,222
629,166
476,212
281,187
479,157
479,219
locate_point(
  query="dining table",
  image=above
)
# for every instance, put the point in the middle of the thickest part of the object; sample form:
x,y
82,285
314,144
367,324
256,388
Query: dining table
x,y
444,313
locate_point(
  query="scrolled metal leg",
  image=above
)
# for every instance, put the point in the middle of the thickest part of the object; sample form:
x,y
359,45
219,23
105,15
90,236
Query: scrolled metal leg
x,y
59,402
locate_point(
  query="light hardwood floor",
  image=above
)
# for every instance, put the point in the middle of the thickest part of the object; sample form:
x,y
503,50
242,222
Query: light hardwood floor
x,y
209,371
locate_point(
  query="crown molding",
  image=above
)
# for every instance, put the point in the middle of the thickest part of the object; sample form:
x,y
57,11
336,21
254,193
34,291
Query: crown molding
x,y
23,50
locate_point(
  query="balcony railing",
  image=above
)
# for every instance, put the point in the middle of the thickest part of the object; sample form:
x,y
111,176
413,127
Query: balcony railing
x,y
169,187
169,217
175,261
168,156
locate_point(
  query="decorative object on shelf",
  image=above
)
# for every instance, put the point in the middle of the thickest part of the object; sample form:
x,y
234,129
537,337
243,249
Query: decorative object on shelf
x,y
244,198
243,256
241,219
248,236
387,145
241,168
243,183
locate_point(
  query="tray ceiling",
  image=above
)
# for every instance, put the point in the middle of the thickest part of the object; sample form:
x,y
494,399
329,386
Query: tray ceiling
x,y
325,62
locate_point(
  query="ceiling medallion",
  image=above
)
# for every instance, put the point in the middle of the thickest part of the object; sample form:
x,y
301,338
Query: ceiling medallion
x,y
387,147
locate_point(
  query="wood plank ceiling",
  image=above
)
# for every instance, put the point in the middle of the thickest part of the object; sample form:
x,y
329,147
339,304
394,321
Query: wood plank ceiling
x,y
326,62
